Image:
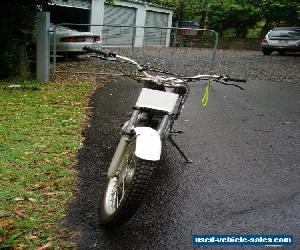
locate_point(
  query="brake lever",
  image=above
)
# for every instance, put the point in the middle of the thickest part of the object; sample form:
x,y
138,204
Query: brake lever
x,y
110,56
232,84
102,57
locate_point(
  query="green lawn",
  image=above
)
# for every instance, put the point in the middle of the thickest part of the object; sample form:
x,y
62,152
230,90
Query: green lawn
x,y
40,134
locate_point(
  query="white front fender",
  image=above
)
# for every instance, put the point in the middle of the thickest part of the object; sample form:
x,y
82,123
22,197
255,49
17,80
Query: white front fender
x,y
148,144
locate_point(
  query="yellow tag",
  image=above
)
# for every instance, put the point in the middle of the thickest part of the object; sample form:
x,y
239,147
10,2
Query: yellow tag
x,y
205,96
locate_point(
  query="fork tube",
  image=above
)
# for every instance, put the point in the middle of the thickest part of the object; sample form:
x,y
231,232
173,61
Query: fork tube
x,y
128,126
115,162
164,126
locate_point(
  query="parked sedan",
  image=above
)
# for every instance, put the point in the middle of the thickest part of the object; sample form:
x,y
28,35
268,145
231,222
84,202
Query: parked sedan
x,y
70,41
281,40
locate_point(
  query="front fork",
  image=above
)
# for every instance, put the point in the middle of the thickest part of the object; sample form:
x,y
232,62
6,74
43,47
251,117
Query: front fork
x,y
127,132
163,129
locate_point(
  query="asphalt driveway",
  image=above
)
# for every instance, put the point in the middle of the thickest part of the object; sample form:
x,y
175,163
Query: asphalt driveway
x,y
245,178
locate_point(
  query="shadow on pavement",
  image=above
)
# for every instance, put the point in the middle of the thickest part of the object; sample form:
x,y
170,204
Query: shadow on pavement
x,y
111,109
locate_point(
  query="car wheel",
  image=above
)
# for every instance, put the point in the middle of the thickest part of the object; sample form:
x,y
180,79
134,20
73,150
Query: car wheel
x,y
282,52
267,52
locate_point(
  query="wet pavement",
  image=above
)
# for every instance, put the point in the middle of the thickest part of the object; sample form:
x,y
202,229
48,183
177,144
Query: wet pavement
x,y
245,178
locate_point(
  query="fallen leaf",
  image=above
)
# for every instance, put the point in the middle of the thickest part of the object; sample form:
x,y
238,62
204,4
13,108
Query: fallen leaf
x,y
49,244
31,237
38,186
20,247
48,227
19,212
54,193
32,199
3,238
47,160
4,214
5,223
19,199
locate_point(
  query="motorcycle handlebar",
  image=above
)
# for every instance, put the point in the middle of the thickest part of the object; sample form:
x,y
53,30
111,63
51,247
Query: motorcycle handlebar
x,y
113,56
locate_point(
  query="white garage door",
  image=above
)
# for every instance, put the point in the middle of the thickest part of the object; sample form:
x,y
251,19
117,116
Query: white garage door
x,y
121,16
156,36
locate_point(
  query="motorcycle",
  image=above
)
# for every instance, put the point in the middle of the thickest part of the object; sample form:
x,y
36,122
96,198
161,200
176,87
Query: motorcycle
x,y
159,105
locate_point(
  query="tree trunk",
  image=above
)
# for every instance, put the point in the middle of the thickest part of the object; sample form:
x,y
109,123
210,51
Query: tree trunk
x,y
205,23
265,28
23,60
241,33
221,30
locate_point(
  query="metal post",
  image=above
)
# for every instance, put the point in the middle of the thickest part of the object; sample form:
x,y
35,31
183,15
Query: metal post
x,y
54,52
133,40
42,46
214,53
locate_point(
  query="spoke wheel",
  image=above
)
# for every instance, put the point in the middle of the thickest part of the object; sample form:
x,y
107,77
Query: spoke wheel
x,y
127,189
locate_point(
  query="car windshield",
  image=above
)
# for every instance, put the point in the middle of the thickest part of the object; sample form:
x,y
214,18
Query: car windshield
x,y
288,34
61,28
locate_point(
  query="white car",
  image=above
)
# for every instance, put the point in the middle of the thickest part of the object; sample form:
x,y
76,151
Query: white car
x,y
70,41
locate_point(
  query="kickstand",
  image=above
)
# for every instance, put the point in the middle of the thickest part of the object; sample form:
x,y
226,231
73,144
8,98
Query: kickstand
x,y
187,160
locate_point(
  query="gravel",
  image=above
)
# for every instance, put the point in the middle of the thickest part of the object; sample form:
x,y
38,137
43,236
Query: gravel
x,y
251,65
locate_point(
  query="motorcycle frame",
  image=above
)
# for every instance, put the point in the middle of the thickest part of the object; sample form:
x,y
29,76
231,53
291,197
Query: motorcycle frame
x,y
167,120
165,127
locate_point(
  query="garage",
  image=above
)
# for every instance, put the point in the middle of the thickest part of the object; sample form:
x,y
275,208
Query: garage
x,y
156,36
119,16
128,13
71,11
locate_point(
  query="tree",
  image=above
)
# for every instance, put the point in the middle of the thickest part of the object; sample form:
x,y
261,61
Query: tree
x,y
238,14
16,16
279,12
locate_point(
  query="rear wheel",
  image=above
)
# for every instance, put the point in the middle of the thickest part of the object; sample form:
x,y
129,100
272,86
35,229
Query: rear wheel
x,y
127,189
267,52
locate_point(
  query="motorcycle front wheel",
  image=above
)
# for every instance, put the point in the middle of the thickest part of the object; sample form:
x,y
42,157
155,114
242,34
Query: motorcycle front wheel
x,y
127,189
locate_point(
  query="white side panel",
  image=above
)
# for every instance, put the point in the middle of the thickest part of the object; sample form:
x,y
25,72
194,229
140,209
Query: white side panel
x,y
158,100
148,144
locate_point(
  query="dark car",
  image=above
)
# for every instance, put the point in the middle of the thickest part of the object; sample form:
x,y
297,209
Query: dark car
x,y
282,40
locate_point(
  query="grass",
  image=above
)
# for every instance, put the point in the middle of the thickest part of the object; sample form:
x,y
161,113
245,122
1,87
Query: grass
x,y
40,127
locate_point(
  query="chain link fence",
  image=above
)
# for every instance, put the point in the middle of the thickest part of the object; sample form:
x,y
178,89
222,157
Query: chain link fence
x,y
166,49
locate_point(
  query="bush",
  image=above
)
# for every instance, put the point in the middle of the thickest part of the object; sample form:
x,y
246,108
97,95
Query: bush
x,y
8,60
15,16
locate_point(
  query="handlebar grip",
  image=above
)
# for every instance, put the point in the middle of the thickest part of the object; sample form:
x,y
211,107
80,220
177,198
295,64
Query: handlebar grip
x,y
236,79
90,49
100,52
